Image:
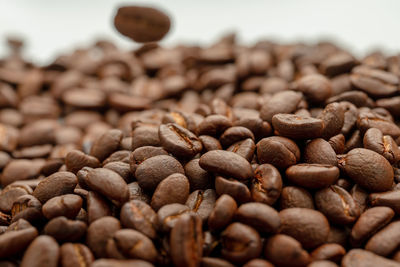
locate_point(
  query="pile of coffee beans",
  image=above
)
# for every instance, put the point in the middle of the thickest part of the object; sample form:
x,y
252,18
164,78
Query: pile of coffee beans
x,y
227,155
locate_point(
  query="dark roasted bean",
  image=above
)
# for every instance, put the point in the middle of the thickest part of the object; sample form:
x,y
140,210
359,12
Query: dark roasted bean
x,y
297,127
43,252
278,151
312,175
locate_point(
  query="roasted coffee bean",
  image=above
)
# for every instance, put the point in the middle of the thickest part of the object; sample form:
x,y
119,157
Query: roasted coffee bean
x,y
360,257
145,135
202,202
13,242
64,230
389,199
26,207
309,227
296,197
43,251
385,145
281,102
138,215
278,151
260,216
120,263
20,169
322,263
320,151
258,263
297,127
142,153
315,87
385,241
331,252
106,144
333,117
169,214
239,191
59,183
266,185
66,205
99,232
337,205
256,125
337,142
226,163
368,169
283,250
179,141
198,177
240,243
10,194
122,168
312,175
76,160
142,24
186,241
371,221
155,169
136,192
244,148
131,244
173,189
215,262
223,212
97,206
75,254
210,143
366,121
235,134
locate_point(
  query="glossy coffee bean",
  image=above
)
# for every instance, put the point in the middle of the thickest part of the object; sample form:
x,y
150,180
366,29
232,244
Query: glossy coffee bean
x,y
296,197
360,257
260,216
202,202
222,213
140,216
278,151
14,242
43,251
198,177
312,175
297,127
266,185
389,199
65,230
385,241
75,254
332,252
99,232
385,145
239,191
321,152
66,205
59,183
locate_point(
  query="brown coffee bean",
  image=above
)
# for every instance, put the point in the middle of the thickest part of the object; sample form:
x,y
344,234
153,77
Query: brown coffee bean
x,y
281,102
296,197
385,241
385,145
337,142
226,163
66,205
43,251
368,169
371,221
138,215
260,216
283,250
316,88
240,243
179,141
331,252
64,230
59,183
296,127
106,144
97,206
186,241
173,189
120,263
142,24
40,132
169,214
76,160
75,255
278,151
131,244
337,205
322,263
10,194
142,153
13,242
312,175
239,191
99,232
210,143
309,227
145,135
26,207
202,202
155,169
244,148
258,263
266,185
137,193
360,257
215,262
366,121
235,134
198,177
223,212
333,117
320,151
20,169
389,199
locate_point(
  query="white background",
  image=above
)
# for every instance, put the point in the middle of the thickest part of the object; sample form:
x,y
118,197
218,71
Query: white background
x,y
54,26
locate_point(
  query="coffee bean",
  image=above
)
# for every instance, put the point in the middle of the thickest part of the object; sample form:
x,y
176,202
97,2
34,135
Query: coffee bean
x,y
223,212
320,151
360,257
296,127
312,175
99,232
13,242
179,141
108,183
281,102
120,263
244,148
258,262
368,169
66,205
385,241
283,250
76,160
226,163
169,214
239,191
389,199
337,142
26,207
260,216
64,230
296,197
315,87
198,177
186,241
59,183
309,227
173,189
337,205
213,125
322,263
331,252
122,168
138,215
142,153
75,255
202,202
106,144
369,223
278,151
43,251
385,145
266,185
240,243
20,169
215,262
155,169
10,194
142,24
210,143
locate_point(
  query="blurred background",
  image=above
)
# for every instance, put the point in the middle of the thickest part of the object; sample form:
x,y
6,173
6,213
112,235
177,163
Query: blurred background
x,y
51,27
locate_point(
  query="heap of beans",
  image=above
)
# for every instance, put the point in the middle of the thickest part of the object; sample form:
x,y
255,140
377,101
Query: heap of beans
x,y
227,155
